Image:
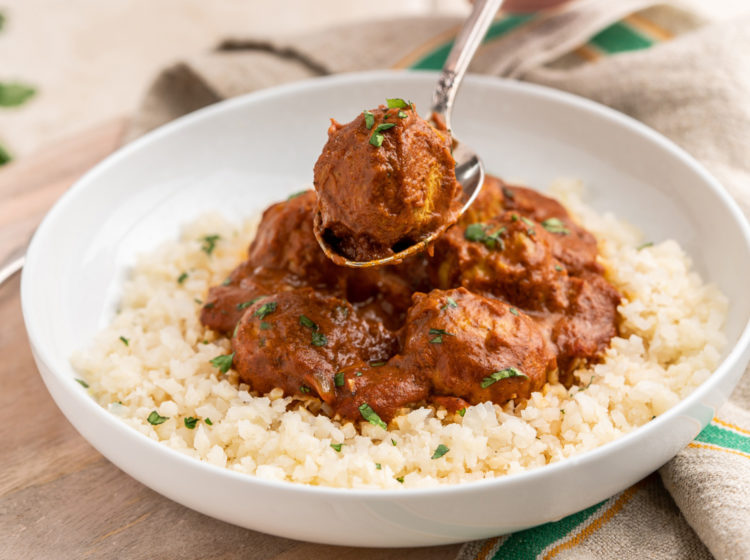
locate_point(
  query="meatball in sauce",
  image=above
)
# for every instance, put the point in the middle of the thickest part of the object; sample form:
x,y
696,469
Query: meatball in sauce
x,y
512,297
385,181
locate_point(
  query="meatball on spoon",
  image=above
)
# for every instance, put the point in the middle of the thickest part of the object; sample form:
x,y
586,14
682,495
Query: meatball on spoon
x,y
382,200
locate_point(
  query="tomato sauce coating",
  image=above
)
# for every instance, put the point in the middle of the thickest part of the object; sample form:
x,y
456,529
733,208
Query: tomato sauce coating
x,y
512,297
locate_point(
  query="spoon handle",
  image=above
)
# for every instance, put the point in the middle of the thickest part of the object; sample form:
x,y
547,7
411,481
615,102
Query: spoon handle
x,y
464,47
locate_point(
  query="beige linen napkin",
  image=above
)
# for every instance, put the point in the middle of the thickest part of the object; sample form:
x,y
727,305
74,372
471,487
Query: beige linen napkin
x,y
695,89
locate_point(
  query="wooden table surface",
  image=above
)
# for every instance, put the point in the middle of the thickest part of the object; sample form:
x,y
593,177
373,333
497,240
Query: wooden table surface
x,y
59,498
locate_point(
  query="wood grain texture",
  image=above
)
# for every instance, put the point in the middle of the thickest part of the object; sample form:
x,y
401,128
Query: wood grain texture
x,y
59,498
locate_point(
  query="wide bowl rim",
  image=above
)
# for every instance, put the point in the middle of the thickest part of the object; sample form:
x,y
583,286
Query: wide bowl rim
x,y
43,232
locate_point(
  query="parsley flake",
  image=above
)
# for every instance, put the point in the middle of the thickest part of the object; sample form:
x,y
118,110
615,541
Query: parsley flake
x,y
400,479
401,115
514,311
462,412
555,225
478,232
304,389
264,326
155,419
190,422
125,341
371,416
378,363
82,383
337,447
209,243
208,421
358,374
502,374
450,302
307,322
223,363
440,451
295,195
378,466
369,119
182,277
397,103
246,304
645,245
265,309
440,333
338,379
558,268
393,441
317,338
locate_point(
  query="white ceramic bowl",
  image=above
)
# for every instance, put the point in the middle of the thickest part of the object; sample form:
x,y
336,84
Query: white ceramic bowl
x,y
241,155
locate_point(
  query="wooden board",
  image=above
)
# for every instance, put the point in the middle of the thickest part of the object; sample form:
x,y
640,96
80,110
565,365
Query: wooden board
x,y
59,498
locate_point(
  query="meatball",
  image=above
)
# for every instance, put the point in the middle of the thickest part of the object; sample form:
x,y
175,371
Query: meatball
x,y
299,339
476,348
385,181
509,256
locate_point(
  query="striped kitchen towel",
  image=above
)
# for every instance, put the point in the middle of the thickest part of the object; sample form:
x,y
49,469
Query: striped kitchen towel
x,y
662,65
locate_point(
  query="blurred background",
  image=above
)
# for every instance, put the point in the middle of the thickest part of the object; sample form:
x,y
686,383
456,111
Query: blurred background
x,y
69,65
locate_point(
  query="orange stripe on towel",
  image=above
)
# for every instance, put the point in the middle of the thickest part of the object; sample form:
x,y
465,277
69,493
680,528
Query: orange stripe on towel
x,y
717,448
734,427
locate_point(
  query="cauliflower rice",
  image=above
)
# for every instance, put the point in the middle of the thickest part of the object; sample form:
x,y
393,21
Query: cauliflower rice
x,y
155,356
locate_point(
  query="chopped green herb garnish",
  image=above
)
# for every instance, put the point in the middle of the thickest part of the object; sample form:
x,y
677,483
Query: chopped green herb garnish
x,y
358,374
304,389
450,302
400,479
401,115
209,305
82,383
526,221
337,447
378,363
209,243
307,322
236,330
246,304
265,309
13,94
317,338
462,412
439,338
644,245
514,218
393,441
190,422
384,126
562,411
376,139
558,268
371,416
369,119
440,451
265,326
478,232
125,341
182,277
396,103
378,466
514,311
154,419
208,421
223,363
338,379
555,225
295,195
502,374
198,301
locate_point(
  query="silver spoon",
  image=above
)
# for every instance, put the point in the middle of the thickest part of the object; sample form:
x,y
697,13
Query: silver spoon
x,y
469,168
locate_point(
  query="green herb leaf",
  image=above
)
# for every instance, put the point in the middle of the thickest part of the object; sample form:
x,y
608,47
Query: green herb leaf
x,y
558,268
474,232
440,451
2,20
514,218
198,301
209,243
337,447
401,115
295,195
378,363
82,383
462,412
440,333
307,322
338,379
371,416
526,221
378,466
265,310
236,329
208,421
514,311
209,305
125,341
384,126
190,422
223,363
369,119
502,374
396,103
393,441
376,139
400,479
358,374
182,277
265,326
13,94
154,419
317,338
478,232
304,389
554,225
644,245
450,303
246,304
